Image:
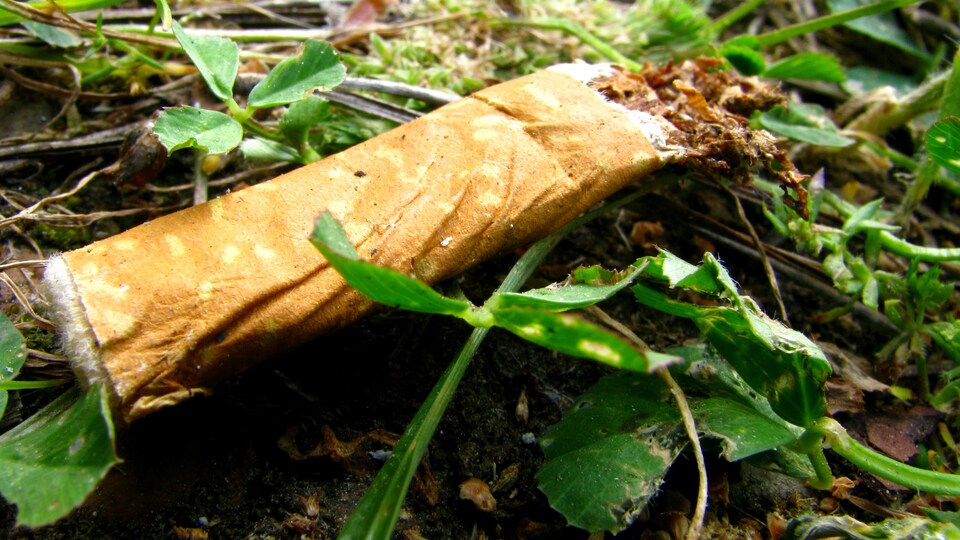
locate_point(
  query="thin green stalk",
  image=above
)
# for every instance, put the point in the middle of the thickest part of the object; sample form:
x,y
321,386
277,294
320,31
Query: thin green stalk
x,y
378,510
32,385
571,28
735,15
892,243
827,21
875,463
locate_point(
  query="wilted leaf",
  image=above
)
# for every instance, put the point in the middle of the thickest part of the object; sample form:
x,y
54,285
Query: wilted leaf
x,y
610,452
217,59
190,127
779,363
316,67
50,462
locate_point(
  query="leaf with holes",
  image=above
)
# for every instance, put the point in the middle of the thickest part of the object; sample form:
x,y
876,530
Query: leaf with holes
x,y
781,364
609,454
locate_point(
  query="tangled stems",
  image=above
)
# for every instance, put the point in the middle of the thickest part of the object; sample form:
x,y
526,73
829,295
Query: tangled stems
x,y
834,436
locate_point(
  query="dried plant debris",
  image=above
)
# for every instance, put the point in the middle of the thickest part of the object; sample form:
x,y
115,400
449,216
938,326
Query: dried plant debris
x,y
709,110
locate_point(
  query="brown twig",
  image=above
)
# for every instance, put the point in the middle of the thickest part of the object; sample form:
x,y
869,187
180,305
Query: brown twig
x,y
24,302
765,261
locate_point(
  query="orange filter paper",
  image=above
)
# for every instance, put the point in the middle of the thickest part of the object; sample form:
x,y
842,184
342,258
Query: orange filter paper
x,y
166,309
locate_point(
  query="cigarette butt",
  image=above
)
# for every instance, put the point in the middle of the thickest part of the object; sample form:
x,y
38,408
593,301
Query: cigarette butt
x,y
165,310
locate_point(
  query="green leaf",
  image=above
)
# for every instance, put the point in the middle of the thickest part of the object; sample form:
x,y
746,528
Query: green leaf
x,y
862,219
781,364
808,66
882,27
745,59
190,127
946,334
805,123
302,117
943,143
164,14
257,149
587,289
54,459
317,66
381,284
52,35
217,59
676,272
572,335
941,515
13,353
862,79
608,455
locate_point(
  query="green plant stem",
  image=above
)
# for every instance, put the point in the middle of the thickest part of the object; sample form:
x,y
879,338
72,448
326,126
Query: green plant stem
x,y
735,15
916,192
239,114
892,243
32,385
827,21
811,444
875,463
378,510
571,28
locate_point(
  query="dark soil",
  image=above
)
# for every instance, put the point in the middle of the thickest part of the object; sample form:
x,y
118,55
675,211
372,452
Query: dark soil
x,y
253,460
223,465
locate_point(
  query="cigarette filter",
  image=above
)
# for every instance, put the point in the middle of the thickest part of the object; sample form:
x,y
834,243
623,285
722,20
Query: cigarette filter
x,y
168,308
